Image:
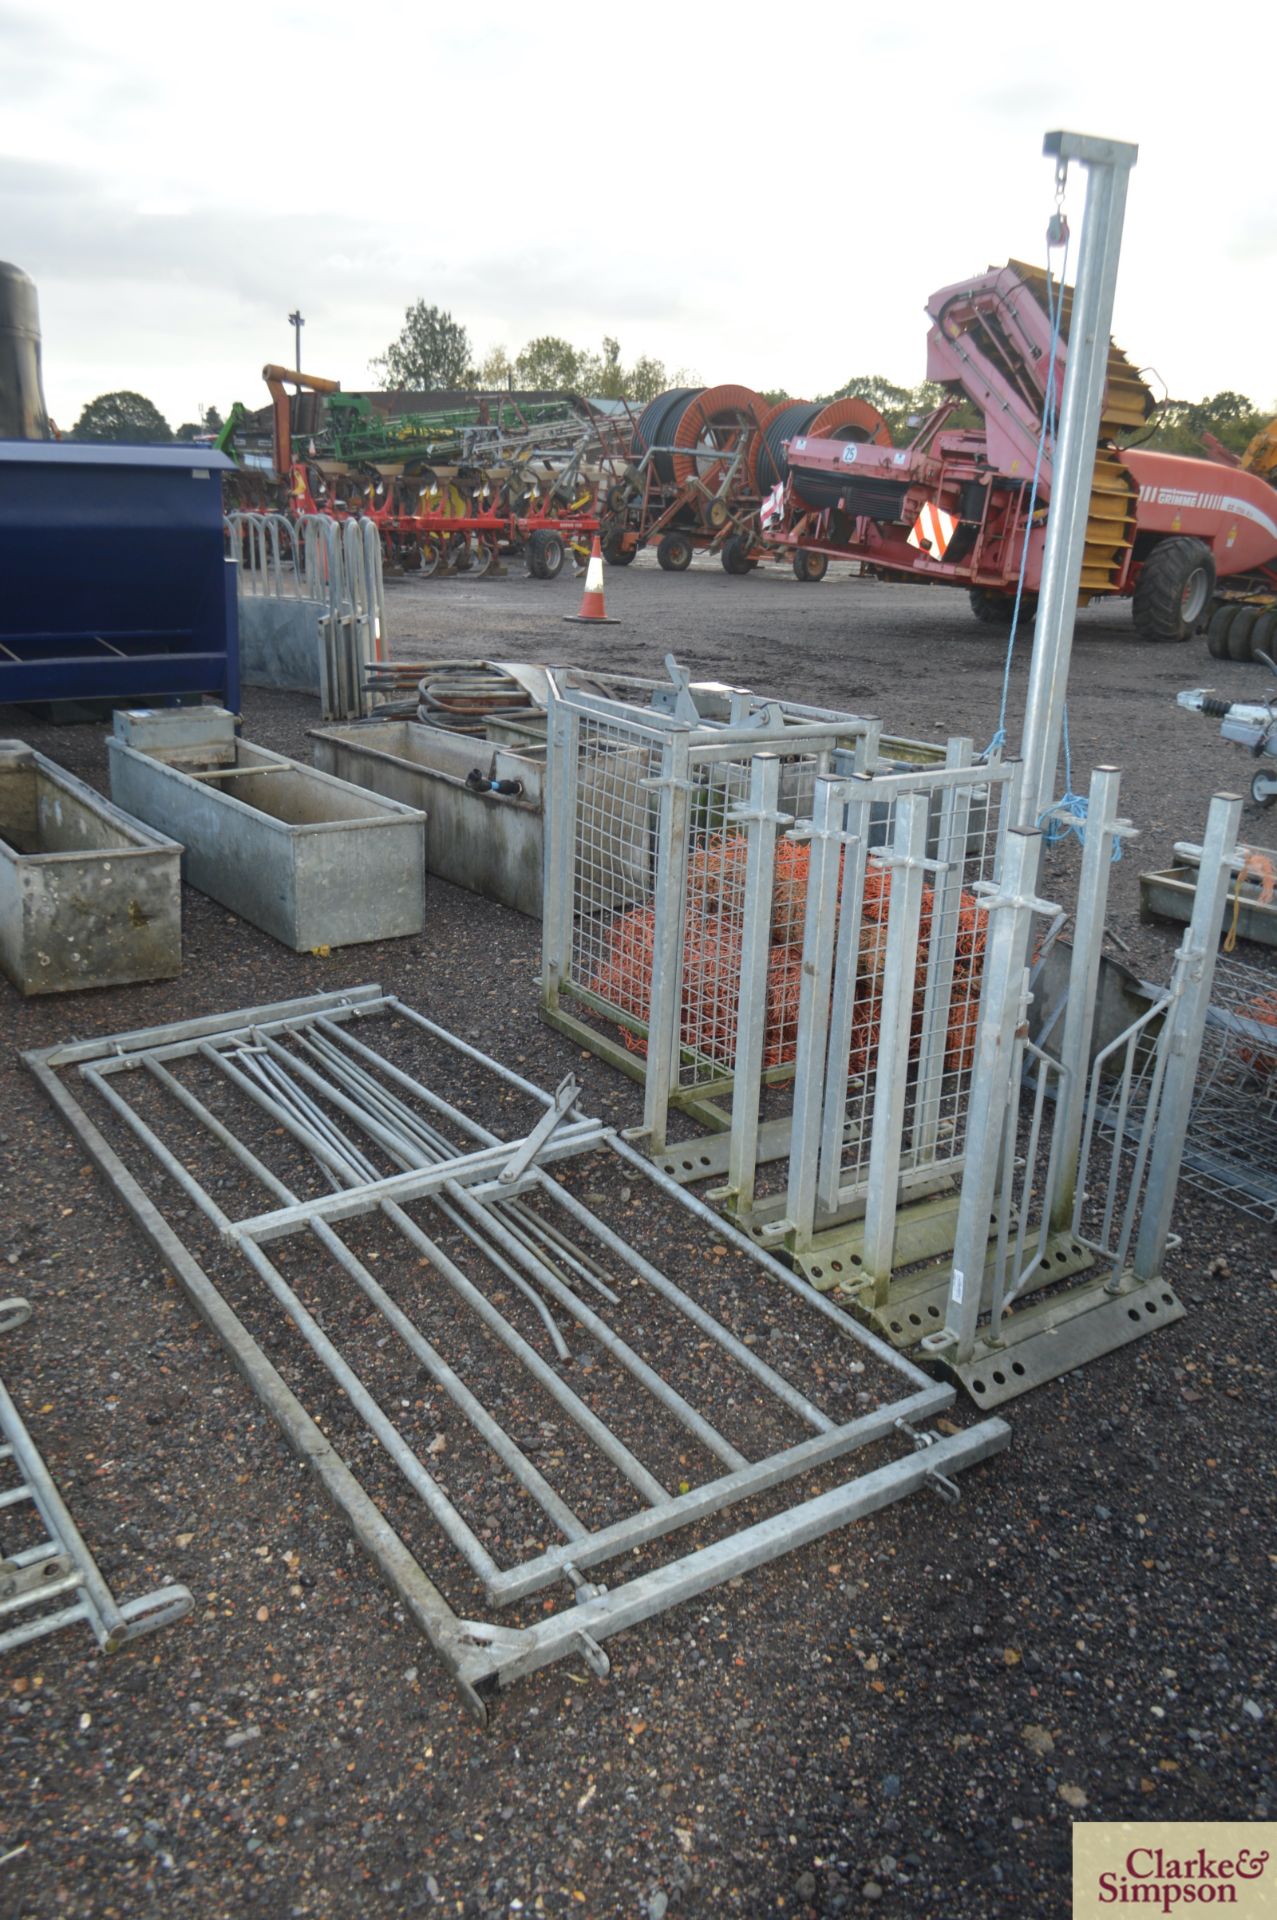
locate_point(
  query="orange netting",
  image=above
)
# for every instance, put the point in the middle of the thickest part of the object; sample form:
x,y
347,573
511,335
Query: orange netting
x,y
1263,1012
712,958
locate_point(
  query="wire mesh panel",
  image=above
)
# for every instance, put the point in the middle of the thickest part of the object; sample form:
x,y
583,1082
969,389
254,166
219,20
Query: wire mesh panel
x,y
1230,1151
645,917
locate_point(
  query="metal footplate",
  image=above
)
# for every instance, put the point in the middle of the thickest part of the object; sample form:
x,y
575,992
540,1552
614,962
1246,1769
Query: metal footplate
x,y
1050,1337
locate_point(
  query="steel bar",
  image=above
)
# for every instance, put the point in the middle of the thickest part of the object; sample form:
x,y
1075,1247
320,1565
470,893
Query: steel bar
x,y
842,1012
1108,164
827,840
665,1010
760,818
899,970
1187,1022
1102,830
951,849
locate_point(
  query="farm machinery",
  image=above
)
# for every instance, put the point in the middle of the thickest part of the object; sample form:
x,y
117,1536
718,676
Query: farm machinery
x,y
960,506
448,487
700,463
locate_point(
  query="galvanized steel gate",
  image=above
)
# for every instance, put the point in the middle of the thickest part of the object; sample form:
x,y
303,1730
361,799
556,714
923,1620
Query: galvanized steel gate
x,y
351,1193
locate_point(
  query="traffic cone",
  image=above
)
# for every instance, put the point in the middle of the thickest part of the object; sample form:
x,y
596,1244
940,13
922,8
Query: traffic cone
x,y
593,612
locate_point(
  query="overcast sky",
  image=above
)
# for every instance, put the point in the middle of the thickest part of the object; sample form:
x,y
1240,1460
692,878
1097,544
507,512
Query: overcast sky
x,y
761,195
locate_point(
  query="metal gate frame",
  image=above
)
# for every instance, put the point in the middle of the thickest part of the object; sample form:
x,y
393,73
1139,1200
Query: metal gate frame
x,y
60,1565
330,1079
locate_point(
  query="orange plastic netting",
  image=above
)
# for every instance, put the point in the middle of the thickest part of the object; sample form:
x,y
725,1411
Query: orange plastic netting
x,y
712,959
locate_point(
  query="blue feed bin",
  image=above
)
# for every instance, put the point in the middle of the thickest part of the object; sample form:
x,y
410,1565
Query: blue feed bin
x,y
113,581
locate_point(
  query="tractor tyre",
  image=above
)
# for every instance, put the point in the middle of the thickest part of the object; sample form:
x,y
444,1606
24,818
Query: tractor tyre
x,y
1217,632
810,566
992,609
614,553
734,555
1263,635
674,552
545,554
1174,591
1241,633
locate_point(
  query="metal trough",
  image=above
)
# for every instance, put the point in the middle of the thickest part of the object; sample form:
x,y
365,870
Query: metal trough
x,y
479,837
88,897
309,859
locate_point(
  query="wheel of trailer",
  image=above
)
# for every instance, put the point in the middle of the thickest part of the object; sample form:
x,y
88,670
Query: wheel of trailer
x,y
1259,793
674,552
614,552
1241,633
1174,590
993,609
545,554
1263,635
1217,631
810,566
735,554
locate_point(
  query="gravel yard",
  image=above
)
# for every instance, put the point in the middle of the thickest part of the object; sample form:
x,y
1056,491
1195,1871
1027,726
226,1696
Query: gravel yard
x,y
904,1718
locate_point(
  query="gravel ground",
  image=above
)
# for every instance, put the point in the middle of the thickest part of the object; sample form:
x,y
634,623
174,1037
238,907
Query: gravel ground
x,y
905,1718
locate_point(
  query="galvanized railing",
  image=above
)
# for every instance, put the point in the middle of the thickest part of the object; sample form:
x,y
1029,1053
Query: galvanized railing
x,y
335,564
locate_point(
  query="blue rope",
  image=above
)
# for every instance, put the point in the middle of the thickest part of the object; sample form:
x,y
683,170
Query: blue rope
x,y
1069,814
1055,309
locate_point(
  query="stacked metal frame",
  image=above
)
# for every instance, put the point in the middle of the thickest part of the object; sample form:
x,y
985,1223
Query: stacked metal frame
x,y
402,1239
644,925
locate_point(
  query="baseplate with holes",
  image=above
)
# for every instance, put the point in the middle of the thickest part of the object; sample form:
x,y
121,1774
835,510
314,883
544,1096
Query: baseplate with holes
x,y
1045,1338
576,1404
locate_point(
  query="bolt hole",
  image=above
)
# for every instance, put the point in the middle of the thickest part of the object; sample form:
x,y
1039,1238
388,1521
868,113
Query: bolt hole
x,y
1132,1313
1017,1368
856,1260
977,1386
934,1312
915,1320
1150,1306
817,1273
999,1379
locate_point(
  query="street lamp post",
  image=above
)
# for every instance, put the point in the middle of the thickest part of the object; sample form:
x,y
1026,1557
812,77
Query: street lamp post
x,y
296,322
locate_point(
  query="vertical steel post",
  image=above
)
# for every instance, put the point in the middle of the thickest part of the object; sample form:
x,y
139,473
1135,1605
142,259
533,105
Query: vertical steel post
x,y
842,1010
993,1088
906,864
813,1004
1185,1025
951,853
760,818
665,1009
563,735
1103,829
1108,164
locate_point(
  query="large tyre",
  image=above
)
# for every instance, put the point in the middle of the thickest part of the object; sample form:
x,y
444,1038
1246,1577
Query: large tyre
x,y
674,552
810,566
545,554
1240,643
614,553
734,555
1175,589
992,609
1263,635
1217,632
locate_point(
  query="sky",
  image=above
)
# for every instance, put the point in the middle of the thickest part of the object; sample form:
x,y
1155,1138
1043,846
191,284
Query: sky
x,y
755,196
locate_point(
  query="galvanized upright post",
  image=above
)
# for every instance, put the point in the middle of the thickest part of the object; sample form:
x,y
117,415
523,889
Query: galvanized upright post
x,y
951,849
1103,830
827,840
1108,164
842,1010
665,1011
563,735
1185,1025
760,818
993,1093
906,864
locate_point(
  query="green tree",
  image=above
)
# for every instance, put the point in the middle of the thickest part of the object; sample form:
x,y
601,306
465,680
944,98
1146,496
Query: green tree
x,y
432,350
646,378
550,364
189,430
124,417
1178,426
495,373
213,421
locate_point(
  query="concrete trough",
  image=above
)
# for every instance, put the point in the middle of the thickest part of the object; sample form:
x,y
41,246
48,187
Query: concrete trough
x,y
88,897
491,842
310,859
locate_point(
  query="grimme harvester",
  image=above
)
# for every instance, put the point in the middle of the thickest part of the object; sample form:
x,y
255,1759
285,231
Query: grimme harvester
x,y
954,506
700,462
448,487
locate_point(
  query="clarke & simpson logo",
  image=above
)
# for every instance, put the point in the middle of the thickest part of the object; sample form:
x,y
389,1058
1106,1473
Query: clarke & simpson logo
x,y
1166,1867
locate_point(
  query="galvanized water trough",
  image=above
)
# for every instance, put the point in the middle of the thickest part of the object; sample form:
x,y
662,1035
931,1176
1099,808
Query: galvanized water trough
x,y
88,897
485,802
309,859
